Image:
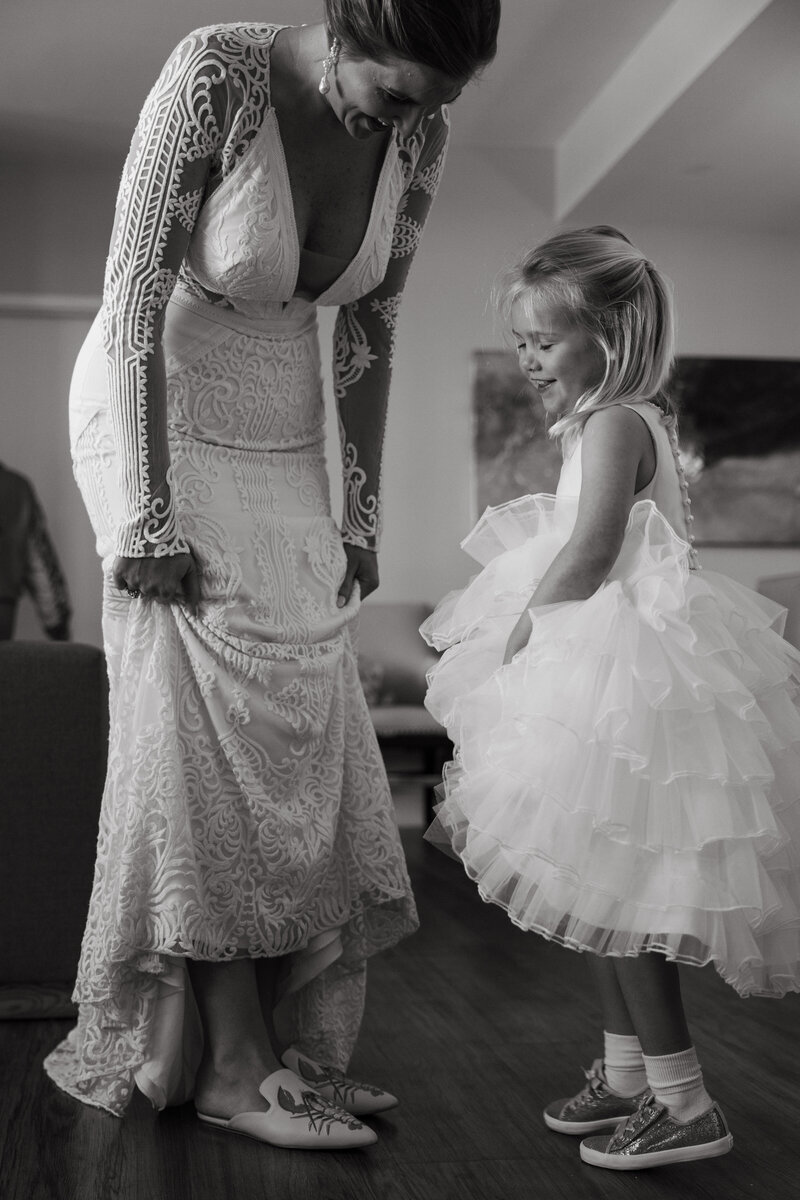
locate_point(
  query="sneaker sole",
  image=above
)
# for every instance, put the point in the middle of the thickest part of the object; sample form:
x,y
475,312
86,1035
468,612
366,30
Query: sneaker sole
x,y
580,1127
656,1158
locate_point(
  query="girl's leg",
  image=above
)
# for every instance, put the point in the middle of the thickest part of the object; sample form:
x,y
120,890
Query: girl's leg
x,y
237,1054
623,1065
651,988
612,1089
616,1018
652,994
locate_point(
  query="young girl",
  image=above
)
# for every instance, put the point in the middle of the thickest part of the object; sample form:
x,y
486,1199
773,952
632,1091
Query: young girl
x,y
627,729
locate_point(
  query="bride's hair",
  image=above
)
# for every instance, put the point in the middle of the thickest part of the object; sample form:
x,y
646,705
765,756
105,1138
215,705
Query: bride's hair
x,y
456,37
599,281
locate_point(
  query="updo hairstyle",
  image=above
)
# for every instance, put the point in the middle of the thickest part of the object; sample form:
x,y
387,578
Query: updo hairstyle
x,y
455,37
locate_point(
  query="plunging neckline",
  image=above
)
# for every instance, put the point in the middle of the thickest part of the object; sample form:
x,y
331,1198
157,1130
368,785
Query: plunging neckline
x,y
294,246
269,126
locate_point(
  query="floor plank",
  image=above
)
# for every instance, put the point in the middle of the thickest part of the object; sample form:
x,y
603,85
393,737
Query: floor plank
x,y
476,1026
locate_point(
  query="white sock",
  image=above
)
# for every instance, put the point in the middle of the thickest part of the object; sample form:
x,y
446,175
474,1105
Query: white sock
x,y
623,1064
676,1081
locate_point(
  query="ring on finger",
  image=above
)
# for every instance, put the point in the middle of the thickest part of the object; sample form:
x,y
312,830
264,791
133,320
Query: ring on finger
x,y
134,593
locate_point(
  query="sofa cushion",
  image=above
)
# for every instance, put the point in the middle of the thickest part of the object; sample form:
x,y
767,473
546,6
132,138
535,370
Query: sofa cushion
x,y
388,636
405,720
53,749
785,590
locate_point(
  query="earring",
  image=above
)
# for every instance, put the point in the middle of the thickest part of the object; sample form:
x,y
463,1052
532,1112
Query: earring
x,y
329,64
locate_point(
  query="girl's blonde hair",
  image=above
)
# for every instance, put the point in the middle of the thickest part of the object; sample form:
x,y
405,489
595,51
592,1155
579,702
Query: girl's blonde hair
x,y
598,281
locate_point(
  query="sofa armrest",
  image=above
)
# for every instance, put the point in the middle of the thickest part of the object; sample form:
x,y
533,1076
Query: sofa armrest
x,y
53,751
785,590
393,658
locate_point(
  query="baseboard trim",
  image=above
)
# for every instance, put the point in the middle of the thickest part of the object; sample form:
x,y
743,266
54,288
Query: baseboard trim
x,y
33,304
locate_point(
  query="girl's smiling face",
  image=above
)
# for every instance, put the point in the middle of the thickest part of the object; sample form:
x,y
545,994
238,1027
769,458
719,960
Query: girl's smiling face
x,y
558,358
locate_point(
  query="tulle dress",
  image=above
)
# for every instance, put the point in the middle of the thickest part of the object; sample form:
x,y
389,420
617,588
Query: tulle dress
x,y
630,782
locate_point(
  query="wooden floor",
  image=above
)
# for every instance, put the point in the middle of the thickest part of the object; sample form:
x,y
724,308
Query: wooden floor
x,y
476,1026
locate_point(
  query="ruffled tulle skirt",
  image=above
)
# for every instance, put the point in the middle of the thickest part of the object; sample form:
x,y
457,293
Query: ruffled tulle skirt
x,y
631,780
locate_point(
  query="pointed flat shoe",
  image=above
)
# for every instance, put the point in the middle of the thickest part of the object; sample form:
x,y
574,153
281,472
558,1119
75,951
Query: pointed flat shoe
x,y
297,1118
360,1099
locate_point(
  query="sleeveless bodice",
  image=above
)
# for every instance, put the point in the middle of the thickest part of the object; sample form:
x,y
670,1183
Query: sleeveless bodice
x,y
666,489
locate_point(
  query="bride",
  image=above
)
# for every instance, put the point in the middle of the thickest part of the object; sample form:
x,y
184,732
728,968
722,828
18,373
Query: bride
x,y
248,857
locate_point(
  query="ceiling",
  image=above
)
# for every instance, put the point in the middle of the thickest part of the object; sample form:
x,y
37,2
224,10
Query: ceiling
x,y
676,111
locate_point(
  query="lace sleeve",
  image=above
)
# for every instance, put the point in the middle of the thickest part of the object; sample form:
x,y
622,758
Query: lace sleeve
x,y
176,141
364,342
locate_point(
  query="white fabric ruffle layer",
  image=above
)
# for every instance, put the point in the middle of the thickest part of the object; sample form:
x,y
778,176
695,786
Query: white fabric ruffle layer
x,y
631,781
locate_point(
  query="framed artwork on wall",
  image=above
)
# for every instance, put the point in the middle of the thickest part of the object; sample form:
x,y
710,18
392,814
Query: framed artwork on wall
x,y
739,423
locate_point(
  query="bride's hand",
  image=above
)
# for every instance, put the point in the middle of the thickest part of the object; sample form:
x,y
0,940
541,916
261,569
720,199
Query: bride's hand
x,y
520,635
362,565
172,579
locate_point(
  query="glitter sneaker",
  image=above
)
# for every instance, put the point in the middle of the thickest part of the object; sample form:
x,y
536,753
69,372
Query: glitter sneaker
x,y
595,1106
652,1138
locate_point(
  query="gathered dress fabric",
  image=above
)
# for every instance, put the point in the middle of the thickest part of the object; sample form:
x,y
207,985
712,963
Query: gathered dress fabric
x,y
246,810
630,781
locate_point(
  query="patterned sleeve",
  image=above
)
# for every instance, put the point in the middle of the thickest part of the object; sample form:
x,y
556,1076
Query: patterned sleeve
x,y
177,139
364,343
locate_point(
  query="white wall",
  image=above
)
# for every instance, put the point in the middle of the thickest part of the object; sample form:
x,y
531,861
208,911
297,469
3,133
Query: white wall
x,y
736,296
37,355
55,222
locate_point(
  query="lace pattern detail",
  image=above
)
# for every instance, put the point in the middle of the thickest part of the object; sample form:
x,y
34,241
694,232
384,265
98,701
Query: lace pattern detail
x,y
183,131
352,353
240,248
361,513
407,235
309,1027
387,310
365,331
187,208
430,177
195,134
246,807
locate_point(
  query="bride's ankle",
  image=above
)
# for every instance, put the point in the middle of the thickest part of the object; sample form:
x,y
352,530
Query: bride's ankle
x,y
235,1062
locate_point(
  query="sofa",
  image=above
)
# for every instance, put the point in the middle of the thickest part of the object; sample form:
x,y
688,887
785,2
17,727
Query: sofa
x,y
785,590
393,661
53,749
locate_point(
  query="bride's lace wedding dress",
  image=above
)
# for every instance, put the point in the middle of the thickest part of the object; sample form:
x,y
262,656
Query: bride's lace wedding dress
x,y
246,810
